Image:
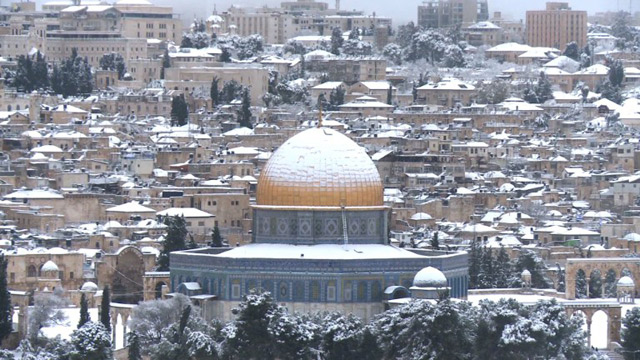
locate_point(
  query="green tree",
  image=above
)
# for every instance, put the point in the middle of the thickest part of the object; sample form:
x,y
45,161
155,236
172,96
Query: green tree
x,y
595,284
105,308
561,287
214,92
631,334
336,98
435,243
175,240
91,342
336,40
245,110
225,56
503,268
166,63
114,62
616,72
6,322
572,51
251,337
133,343
84,311
475,255
581,285
390,95
179,110
216,238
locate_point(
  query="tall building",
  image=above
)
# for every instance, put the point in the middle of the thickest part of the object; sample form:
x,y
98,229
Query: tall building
x,y
319,241
301,17
446,13
556,26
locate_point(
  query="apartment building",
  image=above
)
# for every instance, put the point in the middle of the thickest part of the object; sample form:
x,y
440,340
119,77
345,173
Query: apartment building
x,y
556,26
446,13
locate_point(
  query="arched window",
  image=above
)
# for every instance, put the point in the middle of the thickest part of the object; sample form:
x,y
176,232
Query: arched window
x,y
31,271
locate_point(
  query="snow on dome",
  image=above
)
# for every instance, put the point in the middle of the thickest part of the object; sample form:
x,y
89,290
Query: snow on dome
x,y
49,266
430,277
421,216
632,237
89,286
46,149
625,281
57,251
320,167
526,272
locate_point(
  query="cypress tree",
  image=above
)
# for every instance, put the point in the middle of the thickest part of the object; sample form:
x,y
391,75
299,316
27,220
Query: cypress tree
x,y
475,254
84,311
245,111
179,110
214,92
133,341
435,243
390,95
105,307
6,322
216,238
174,241
166,62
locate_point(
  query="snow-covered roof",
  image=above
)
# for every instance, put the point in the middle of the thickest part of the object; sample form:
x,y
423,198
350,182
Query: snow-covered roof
x,y
186,212
49,266
485,25
625,281
510,47
46,149
89,286
430,277
131,207
421,216
322,251
33,194
329,85
448,84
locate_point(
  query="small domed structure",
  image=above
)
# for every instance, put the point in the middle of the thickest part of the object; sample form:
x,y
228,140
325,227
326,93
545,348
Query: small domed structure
x,y
626,290
625,281
89,286
49,267
430,277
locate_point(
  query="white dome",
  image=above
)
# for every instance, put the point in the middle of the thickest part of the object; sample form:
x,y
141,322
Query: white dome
x,y
525,272
430,277
49,266
89,286
625,281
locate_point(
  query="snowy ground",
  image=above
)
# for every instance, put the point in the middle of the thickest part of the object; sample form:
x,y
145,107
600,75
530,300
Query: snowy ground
x,y
599,336
71,323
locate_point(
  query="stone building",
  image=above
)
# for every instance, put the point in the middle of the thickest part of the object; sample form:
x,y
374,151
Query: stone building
x,y
319,239
556,26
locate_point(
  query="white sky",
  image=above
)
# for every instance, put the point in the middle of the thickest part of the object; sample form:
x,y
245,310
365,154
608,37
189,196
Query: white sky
x,y
404,13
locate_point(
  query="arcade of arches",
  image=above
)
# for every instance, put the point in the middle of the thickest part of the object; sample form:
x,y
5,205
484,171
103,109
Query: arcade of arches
x,y
603,267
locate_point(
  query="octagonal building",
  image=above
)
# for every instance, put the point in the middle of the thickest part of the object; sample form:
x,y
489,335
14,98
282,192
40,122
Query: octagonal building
x,y
319,241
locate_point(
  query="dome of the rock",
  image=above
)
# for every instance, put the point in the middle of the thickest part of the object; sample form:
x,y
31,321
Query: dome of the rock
x,y
320,167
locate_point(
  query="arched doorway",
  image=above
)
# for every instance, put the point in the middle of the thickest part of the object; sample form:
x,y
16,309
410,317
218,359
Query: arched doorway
x,y
599,329
127,278
158,289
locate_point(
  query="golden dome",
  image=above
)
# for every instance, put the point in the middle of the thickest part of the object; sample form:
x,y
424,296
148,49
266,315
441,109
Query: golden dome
x,y
320,167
